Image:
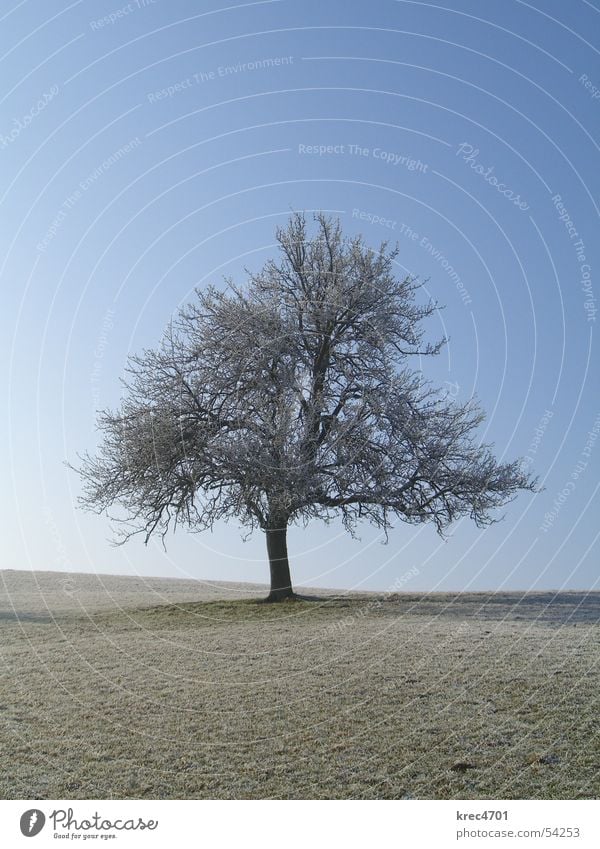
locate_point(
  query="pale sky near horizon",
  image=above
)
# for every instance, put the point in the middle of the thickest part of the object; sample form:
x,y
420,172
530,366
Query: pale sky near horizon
x,y
151,147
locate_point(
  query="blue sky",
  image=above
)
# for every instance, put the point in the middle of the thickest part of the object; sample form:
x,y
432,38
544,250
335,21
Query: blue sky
x,y
151,147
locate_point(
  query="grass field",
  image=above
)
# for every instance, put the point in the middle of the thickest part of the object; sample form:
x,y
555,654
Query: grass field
x,y
115,687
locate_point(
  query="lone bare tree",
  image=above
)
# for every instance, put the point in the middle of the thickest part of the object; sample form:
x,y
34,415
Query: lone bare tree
x,y
290,400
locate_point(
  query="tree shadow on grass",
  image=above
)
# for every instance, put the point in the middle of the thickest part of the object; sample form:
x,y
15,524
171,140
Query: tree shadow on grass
x,y
20,616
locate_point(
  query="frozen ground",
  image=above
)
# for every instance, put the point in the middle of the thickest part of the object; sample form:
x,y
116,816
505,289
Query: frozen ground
x,y
118,687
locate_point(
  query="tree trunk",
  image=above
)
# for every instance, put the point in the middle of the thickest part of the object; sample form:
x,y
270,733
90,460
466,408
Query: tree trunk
x,y
281,582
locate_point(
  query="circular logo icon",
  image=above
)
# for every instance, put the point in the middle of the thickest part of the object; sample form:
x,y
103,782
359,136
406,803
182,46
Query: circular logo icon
x,y
32,822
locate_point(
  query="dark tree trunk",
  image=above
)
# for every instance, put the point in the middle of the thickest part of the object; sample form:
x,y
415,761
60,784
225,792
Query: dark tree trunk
x,y
281,582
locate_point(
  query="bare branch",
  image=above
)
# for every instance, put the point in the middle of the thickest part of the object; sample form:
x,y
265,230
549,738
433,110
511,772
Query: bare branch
x,y
293,398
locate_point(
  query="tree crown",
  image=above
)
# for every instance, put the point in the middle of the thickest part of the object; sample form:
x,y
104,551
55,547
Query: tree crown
x,y
291,399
